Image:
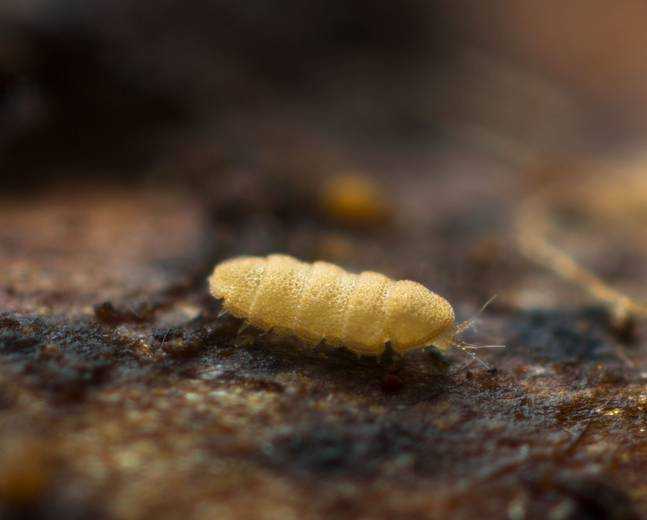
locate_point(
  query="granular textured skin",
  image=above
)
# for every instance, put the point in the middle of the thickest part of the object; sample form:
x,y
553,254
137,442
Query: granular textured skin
x,y
322,302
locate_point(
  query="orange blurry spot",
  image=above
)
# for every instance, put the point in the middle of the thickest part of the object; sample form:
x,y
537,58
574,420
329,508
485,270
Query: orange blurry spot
x,y
355,199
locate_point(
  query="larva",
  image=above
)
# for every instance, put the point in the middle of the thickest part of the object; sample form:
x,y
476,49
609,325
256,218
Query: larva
x,y
323,302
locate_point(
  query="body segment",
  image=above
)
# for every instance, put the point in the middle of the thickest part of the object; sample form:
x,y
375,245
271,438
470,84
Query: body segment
x,y
321,301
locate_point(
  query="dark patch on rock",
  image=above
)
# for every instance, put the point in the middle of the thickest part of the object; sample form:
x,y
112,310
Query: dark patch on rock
x,y
560,336
64,359
354,449
107,313
13,341
392,384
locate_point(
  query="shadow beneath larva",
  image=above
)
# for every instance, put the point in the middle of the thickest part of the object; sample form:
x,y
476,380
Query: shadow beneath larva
x,y
253,354
335,369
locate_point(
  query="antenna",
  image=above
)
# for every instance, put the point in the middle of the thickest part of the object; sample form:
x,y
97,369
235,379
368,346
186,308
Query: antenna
x,y
470,322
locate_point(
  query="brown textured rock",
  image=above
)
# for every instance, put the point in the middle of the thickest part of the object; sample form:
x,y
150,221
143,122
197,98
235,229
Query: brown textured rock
x,y
178,415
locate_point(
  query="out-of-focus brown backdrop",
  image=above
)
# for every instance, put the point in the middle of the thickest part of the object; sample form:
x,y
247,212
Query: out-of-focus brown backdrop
x,y
480,148
114,85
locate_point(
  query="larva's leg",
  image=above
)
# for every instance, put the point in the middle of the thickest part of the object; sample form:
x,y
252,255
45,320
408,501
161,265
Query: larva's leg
x,y
243,341
439,360
388,354
264,333
222,313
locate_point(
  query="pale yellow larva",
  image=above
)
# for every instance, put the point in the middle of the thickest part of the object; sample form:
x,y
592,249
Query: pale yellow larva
x,y
322,302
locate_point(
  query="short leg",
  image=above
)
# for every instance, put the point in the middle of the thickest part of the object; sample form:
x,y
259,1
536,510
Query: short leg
x,y
388,354
243,341
264,333
438,359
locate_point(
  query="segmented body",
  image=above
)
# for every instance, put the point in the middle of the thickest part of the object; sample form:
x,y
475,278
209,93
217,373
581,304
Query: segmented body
x,y
321,301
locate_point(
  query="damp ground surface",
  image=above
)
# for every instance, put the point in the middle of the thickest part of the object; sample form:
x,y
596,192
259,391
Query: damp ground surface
x,y
124,395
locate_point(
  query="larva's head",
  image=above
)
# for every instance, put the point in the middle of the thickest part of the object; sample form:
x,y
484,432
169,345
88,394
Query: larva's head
x,y
418,317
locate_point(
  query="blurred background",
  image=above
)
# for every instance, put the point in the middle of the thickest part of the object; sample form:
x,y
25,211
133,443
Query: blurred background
x,y
112,88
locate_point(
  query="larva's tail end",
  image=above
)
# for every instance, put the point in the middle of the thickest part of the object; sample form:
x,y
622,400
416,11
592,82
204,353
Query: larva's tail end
x,y
232,276
215,287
